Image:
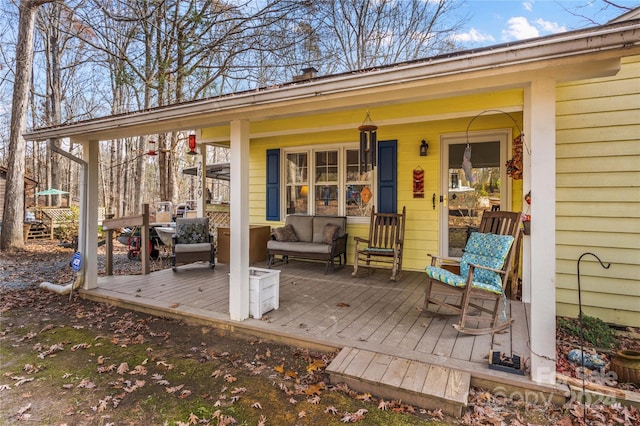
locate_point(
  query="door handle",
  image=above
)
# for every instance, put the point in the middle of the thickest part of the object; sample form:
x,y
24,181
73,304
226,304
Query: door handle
x,y
433,200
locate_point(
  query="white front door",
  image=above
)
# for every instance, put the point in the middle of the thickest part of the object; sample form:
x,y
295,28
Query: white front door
x,y
473,180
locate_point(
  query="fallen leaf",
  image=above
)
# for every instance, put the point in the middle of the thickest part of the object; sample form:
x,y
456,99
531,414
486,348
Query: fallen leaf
x,y
331,410
315,365
315,389
365,397
174,389
257,405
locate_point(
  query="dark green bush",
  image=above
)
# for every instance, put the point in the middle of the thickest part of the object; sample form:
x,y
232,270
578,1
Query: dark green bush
x,y
595,331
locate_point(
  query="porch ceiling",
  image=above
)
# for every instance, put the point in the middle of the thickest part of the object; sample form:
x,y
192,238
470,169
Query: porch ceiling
x,y
571,56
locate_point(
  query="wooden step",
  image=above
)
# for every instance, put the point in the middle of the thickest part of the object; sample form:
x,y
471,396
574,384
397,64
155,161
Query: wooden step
x,y
391,377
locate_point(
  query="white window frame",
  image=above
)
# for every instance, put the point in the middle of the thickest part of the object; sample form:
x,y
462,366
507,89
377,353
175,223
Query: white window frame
x,y
311,150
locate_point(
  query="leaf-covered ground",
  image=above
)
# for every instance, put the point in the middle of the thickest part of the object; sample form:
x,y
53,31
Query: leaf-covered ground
x,y
77,362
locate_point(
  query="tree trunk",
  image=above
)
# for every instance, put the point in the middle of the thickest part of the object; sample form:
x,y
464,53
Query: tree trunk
x,y
13,217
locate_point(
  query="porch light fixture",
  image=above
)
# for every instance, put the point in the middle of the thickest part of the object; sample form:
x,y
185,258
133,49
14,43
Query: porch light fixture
x,y
368,142
151,148
424,146
192,145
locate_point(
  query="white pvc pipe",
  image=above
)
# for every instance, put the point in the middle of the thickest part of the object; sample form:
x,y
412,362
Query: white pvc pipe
x,y
60,289
64,289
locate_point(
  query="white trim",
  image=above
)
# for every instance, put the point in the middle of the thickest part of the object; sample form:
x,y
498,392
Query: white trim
x,y
239,244
502,135
310,150
542,141
91,151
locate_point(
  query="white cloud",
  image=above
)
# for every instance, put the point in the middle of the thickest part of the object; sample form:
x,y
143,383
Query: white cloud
x,y
519,28
527,6
550,27
473,36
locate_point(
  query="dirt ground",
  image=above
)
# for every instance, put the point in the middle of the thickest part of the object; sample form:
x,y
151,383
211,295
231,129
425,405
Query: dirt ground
x,y
68,361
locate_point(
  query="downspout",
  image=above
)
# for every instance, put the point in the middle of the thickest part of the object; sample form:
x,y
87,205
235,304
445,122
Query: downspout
x,y
82,229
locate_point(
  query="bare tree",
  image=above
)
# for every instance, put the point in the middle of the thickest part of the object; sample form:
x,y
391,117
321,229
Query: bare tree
x,y
13,216
590,11
371,33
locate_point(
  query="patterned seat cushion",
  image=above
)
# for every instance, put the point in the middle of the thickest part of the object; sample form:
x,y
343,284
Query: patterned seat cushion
x,y
489,250
192,231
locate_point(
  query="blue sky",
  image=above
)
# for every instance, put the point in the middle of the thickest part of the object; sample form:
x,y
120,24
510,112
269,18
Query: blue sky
x,y
499,21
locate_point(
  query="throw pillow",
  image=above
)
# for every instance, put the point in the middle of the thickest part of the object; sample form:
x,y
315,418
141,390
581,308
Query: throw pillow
x,y
286,233
330,232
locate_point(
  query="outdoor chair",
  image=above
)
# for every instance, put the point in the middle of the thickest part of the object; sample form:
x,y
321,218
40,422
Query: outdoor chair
x,y
192,242
485,269
384,245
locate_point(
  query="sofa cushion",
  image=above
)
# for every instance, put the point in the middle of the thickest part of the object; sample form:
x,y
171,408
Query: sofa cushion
x,y
192,248
299,247
330,232
320,223
302,225
286,233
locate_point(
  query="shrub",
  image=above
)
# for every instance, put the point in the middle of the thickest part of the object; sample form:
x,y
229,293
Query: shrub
x,y
595,331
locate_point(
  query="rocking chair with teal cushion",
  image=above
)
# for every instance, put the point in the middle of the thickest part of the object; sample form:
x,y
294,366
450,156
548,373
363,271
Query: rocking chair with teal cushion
x,y
484,271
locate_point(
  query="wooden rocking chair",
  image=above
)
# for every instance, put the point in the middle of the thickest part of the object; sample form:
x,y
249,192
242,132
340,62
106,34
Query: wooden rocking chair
x,y
384,245
485,269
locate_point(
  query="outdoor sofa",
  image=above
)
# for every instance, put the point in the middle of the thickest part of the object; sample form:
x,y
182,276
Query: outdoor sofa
x,y
310,237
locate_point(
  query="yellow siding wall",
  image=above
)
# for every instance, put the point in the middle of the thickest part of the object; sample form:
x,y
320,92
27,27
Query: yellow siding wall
x,y
422,220
598,195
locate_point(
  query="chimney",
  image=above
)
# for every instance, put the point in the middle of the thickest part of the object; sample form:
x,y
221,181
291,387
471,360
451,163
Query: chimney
x,y
307,74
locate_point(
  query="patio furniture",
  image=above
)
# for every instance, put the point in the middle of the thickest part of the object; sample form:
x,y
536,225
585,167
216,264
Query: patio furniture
x,y
485,269
384,245
506,223
192,242
310,237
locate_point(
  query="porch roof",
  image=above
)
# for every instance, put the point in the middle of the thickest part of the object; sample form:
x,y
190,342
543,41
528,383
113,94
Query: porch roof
x,y
597,49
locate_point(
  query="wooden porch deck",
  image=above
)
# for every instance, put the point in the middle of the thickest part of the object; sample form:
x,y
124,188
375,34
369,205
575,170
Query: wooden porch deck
x,y
332,311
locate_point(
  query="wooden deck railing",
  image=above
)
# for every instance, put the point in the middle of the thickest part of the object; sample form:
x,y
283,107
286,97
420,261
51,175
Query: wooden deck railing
x,y
110,224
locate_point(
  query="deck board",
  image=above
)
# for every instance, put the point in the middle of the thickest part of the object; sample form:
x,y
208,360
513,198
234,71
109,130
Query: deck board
x,y
336,310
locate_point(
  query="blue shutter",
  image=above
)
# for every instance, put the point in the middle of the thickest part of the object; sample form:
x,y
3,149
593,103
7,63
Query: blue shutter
x,y
388,176
273,184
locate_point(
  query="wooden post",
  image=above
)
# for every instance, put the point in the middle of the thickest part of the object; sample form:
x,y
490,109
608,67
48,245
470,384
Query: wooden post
x,y
144,240
109,248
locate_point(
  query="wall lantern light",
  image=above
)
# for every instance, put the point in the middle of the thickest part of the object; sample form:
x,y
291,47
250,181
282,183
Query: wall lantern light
x,y
192,145
424,146
152,147
368,142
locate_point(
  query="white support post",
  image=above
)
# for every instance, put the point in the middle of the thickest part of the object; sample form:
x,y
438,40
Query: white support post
x,y
542,142
201,192
239,244
90,151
